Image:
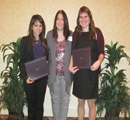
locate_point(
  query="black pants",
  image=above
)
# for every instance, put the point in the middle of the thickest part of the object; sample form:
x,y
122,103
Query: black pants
x,y
35,93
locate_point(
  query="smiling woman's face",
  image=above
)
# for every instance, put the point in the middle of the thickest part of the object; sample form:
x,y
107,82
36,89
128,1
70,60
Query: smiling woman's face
x,y
60,22
37,28
84,20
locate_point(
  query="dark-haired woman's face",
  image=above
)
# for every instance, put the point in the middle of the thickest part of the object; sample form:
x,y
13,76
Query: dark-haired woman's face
x,y
37,28
84,20
60,22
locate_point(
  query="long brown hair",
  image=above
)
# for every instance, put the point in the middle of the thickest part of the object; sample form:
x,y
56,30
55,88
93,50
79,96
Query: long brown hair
x,y
30,30
92,30
66,31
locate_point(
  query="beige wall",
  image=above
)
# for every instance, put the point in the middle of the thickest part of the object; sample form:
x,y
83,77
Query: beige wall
x,y
111,16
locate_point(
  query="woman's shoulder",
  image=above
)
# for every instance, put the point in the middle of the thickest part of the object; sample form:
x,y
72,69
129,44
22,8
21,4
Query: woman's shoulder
x,y
25,38
100,37
75,33
71,33
99,33
98,30
49,35
50,32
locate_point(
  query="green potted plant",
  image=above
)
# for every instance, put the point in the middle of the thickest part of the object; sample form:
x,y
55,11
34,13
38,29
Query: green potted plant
x,y
114,96
12,95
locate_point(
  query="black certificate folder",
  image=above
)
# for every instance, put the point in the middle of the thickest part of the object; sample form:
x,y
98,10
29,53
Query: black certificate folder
x,y
82,58
37,68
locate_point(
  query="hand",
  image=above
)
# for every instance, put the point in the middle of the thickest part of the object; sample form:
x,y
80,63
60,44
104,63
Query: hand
x,y
73,70
29,80
95,65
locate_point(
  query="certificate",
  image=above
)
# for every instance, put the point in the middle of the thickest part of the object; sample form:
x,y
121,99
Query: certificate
x,y
37,68
82,58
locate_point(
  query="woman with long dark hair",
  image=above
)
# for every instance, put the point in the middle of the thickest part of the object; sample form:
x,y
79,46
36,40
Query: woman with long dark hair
x,y
33,47
59,80
85,85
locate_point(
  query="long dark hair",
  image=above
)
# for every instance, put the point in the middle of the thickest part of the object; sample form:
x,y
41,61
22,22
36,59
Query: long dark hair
x,y
30,30
92,30
66,31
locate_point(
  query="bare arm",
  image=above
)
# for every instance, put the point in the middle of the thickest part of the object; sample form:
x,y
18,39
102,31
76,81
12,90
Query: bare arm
x,y
71,68
96,65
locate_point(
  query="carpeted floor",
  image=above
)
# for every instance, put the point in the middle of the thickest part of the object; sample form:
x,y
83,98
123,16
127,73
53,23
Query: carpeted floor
x,y
5,117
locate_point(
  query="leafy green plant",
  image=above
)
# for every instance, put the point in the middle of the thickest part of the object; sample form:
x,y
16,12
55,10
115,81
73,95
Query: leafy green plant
x,y
114,94
12,95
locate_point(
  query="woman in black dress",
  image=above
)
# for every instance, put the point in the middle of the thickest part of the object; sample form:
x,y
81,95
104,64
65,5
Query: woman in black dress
x,y
85,86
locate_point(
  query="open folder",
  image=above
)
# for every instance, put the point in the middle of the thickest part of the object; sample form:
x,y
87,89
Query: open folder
x,y
82,58
37,68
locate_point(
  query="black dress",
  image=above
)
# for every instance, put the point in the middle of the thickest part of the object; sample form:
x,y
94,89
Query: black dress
x,y
85,84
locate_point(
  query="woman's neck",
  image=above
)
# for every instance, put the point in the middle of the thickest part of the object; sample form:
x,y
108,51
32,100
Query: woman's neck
x,y
86,29
60,36
36,38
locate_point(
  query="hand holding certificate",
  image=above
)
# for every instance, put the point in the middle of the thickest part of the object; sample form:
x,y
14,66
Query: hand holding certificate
x,y
82,58
37,68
